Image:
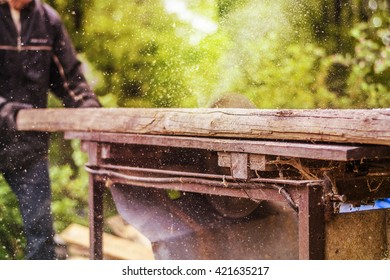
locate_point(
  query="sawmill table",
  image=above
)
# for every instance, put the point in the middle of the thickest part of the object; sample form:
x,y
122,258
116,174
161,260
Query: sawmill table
x,y
312,160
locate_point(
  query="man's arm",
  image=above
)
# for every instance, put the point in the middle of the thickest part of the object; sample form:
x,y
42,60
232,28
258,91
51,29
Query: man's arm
x,y
8,112
67,80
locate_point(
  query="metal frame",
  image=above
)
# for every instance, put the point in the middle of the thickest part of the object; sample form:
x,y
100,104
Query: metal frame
x,y
307,196
312,199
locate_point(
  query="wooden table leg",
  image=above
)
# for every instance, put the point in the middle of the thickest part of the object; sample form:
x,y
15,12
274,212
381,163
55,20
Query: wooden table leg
x,y
311,219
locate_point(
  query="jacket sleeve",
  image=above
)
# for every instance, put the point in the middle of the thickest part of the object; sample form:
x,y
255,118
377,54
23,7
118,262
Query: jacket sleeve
x,y
67,80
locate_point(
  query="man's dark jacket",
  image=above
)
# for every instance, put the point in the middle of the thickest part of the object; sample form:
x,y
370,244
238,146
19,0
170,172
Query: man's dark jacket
x,y
40,59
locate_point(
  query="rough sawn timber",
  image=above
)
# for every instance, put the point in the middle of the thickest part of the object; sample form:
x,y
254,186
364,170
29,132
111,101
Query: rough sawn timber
x,y
368,126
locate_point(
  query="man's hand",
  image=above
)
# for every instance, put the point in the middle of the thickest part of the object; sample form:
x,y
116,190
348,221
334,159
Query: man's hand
x,y
8,114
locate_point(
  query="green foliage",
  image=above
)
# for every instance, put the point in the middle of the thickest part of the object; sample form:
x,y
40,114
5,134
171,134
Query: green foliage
x,y
226,6
12,241
295,54
263,58
137,40
276,55
70,191
368,66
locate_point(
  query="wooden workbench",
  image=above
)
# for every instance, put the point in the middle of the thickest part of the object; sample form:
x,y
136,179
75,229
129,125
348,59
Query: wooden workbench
x,y
310,160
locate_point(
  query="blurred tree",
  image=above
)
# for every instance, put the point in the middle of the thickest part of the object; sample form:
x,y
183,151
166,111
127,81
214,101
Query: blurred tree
x,y
280,53
146,57
368,64
135,44
12,240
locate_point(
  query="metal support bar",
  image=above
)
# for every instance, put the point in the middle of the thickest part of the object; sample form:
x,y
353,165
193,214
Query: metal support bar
x,y
311,219
95,200
337,152
96,189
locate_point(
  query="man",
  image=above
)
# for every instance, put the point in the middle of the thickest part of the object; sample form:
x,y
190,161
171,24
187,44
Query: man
x,y
36,55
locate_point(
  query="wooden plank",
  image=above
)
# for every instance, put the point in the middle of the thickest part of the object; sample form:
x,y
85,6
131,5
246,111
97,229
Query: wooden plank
x,y
122,229
113,247
347,126
239,165
335,152
261,163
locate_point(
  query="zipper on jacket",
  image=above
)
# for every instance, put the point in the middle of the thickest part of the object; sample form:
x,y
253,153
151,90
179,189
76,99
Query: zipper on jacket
x,y
16,17
19,43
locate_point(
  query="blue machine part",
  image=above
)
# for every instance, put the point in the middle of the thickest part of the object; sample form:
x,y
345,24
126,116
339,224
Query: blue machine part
x,y
382,203
379,204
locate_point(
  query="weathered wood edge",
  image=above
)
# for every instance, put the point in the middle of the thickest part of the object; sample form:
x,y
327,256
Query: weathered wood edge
x,y
341,126
334,152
